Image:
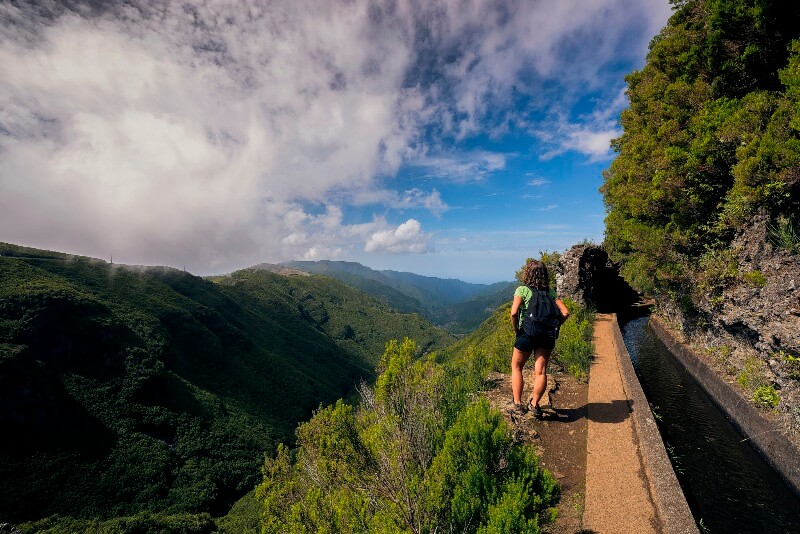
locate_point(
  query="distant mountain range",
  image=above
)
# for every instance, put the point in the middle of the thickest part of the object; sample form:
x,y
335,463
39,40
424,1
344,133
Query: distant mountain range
x,y
455,305
127,389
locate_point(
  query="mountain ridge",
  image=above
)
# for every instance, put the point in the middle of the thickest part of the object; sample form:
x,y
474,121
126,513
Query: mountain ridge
x,y
453,304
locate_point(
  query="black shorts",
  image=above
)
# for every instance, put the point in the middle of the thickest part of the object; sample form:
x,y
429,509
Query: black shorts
x,y
526,343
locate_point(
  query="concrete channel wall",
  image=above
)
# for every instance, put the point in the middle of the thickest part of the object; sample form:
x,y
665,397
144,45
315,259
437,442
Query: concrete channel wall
x,y
777,450
667,494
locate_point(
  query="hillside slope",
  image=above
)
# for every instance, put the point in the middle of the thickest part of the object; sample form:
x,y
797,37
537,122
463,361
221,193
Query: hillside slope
x,y
125,388
453,304
358,276
468,315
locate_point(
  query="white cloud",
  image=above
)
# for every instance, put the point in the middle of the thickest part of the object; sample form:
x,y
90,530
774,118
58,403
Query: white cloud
x,y
590,135
432,201
162,141
193,133
593,143
465,167
406,238
323,235
538,182
410,199
318,252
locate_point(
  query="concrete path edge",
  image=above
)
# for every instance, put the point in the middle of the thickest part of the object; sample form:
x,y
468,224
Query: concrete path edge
x,y
776,448
668,497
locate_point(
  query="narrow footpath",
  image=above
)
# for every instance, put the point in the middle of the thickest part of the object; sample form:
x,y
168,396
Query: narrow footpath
x,y
601,443
618,498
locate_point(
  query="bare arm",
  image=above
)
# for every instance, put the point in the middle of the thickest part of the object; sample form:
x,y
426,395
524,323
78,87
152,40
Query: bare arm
x,y
563,309
515,304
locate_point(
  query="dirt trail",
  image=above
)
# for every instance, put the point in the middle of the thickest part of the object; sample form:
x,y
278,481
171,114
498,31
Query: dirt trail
x,y
617,493
559,438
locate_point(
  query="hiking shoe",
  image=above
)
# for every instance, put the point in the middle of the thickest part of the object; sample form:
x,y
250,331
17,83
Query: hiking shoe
x,y
537,412
517,409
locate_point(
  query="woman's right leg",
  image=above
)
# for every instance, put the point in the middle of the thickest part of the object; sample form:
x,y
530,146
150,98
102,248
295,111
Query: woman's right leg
x,y
518,359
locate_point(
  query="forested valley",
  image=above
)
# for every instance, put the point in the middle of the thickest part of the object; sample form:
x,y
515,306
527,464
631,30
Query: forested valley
x,y
132,390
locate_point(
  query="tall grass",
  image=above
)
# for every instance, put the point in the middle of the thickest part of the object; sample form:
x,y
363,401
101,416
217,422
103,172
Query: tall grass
x,y
784,235
574,347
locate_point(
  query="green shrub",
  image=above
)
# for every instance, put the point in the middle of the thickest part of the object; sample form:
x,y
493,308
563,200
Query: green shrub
x,y
721,354
767,396
752,376
792,364
467,477
508,514
415,455
784,235
574,347
718,269
754,279
243,517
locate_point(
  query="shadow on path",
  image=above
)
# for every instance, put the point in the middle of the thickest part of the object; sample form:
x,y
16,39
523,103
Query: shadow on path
x,y
615,411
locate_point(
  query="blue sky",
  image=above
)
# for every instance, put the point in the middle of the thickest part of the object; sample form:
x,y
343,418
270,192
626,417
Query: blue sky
x,y
449,138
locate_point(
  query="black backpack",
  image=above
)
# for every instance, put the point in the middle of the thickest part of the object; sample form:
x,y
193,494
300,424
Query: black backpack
x,y
542,317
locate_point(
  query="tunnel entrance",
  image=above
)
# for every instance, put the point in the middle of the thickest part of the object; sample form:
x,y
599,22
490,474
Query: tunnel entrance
x,y
588,275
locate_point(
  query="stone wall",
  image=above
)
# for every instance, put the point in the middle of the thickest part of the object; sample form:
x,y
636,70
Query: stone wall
x,y
755,318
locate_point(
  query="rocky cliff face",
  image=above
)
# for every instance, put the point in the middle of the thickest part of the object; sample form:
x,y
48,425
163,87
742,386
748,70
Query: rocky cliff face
x,y
586,274
749,323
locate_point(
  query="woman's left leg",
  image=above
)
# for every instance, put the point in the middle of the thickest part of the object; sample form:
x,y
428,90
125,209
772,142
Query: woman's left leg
x,y
518,359
542,357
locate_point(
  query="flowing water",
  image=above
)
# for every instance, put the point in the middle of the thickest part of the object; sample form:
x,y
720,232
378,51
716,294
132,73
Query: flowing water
x,y
728,486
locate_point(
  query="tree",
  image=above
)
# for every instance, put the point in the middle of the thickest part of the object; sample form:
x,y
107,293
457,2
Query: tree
x,y
711,137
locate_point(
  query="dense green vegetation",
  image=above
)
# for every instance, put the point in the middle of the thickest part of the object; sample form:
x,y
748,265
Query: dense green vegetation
x,y
363,278
128,391
711,138
457,306
419,454
143,522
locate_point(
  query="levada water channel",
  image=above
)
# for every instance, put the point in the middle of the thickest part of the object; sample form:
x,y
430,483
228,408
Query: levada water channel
x,y
729,487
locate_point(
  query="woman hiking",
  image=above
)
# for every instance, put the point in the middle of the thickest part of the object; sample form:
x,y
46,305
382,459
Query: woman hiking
x,y
536,313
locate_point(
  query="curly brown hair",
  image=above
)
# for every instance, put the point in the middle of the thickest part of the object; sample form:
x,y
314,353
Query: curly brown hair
x,y
535,275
